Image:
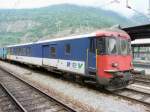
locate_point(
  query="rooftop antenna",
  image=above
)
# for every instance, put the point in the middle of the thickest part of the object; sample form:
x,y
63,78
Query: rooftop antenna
x,y
117,26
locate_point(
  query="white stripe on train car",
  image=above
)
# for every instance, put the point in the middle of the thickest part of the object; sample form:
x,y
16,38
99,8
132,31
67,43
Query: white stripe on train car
x,y
25,59
50,62
67,65
73,66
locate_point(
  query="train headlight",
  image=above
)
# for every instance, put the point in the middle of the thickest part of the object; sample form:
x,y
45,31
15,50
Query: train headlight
x,y
131,63
115,64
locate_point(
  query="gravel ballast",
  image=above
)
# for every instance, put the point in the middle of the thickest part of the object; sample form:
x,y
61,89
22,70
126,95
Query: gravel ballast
x,y
76,94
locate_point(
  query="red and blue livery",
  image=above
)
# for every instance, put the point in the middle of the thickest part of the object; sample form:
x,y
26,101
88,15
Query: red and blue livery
x,y
103,56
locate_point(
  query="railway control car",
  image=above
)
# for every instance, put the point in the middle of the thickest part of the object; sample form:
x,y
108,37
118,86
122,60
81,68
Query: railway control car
x,y
103,56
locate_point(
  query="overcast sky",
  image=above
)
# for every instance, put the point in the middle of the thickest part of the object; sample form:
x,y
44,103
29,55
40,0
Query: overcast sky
x,y
120,6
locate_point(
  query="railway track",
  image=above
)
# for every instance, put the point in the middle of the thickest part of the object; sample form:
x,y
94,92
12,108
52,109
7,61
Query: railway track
x,y
142,80
7,103
127,93
26,98
134,95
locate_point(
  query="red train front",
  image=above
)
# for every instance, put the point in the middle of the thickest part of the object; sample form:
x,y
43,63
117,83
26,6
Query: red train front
x,y
113,59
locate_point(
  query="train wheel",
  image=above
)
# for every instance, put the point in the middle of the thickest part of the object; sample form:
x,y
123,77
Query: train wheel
x,y
80,80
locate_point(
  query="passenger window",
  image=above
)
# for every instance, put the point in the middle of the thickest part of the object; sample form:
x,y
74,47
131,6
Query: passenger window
x,y
28,51
53,52
19,53
24,51
16,51
92,45
67,48
11,51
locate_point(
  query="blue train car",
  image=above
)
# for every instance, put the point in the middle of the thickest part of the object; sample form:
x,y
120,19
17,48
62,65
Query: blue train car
x,y
68,54
3,53
104,55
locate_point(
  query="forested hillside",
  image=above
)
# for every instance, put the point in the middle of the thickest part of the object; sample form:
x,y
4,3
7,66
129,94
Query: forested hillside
x,y
26,25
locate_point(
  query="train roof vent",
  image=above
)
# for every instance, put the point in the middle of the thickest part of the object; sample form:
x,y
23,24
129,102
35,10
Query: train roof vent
x,y
117,26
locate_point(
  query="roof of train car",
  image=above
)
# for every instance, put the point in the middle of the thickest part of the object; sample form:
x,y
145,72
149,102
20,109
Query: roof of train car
x,y
75,37
55,39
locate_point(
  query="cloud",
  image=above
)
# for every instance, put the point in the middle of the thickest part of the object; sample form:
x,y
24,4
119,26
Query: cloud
x,y
140,5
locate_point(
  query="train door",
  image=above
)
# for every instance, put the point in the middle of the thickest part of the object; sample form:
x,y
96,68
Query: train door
x,y
49,55
92,56
45,54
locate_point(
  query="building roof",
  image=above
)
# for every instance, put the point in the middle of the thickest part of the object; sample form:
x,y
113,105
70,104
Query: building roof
x,y
141,41
138,32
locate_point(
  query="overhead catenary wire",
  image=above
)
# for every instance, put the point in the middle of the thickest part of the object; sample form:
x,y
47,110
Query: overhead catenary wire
x,y
140,13
109,3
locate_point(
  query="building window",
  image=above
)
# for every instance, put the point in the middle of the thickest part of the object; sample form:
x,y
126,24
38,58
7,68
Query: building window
x,y
53,52
67,48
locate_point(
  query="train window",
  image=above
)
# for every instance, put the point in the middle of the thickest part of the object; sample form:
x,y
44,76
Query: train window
x,y
67,48
24,51
15,51
124,47
112,46
53,52
28,51
11,51
92,45
100,45
19,51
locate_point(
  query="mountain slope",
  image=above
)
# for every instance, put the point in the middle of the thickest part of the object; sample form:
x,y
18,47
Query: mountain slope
x,y
26,25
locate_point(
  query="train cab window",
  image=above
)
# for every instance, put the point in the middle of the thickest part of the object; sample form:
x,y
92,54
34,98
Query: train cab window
x,y
92,45
16,51
67,49
112,46
124,47
101,45
53,51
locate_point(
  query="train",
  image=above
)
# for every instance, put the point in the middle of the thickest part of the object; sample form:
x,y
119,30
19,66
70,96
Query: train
x,y
103,56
